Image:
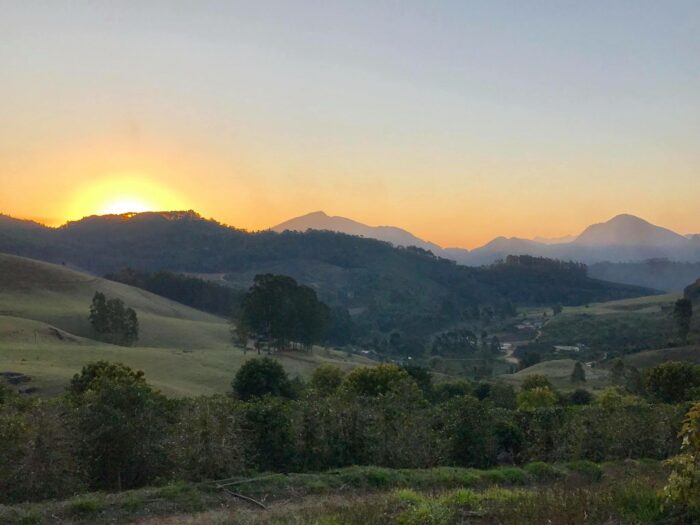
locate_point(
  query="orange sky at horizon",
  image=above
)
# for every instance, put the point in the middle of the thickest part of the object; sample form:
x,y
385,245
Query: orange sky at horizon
x,y
95,187
457,121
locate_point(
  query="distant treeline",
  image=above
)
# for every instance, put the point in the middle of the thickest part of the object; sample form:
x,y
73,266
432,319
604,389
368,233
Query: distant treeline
x,y
192,291
659,274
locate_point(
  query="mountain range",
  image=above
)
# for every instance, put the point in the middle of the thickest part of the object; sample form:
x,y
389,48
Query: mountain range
x,y
319,220
624,238
371,285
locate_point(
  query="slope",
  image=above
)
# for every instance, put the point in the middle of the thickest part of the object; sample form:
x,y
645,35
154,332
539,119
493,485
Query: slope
x,y
44,333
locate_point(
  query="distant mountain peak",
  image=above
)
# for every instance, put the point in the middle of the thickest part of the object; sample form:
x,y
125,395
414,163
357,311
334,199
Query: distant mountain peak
x,y
320,220
628,230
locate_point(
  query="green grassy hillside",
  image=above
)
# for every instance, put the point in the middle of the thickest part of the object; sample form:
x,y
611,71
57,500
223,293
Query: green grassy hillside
x,y
44,333
689,354
617,328
559,372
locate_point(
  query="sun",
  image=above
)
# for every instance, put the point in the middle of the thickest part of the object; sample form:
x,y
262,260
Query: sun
x,y
121,194
123,205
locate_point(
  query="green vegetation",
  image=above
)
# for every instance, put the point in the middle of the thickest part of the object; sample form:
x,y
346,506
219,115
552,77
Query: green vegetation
x,y
112,430
628,492
198,293
278,311
558,372
261,377
683,313
380,289
683,488
619,328
112,321
45,334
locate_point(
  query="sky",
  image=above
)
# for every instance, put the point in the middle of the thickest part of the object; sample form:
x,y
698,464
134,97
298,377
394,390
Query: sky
x,y
459,121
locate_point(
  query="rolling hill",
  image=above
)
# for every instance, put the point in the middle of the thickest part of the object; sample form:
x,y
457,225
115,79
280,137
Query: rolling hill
x,y
558,371
385,288
45,334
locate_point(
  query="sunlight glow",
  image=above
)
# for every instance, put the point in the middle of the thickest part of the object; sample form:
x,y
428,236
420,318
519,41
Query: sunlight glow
x,y
120,194
125,205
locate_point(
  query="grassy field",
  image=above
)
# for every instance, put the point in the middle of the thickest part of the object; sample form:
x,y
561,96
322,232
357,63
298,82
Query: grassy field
x,y
617,327
690,354
567,494
45,334
559,372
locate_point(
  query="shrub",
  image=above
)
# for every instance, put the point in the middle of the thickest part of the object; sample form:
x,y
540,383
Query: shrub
x,y
542,471
82,505
374,381
683,488
588,469
326,379
537,397
260,377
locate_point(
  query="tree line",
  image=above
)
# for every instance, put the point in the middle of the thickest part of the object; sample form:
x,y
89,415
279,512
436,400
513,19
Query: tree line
x,y
192,291
112,430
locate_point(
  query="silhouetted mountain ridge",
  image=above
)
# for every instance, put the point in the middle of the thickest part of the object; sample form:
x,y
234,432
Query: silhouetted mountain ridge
x,y
386,288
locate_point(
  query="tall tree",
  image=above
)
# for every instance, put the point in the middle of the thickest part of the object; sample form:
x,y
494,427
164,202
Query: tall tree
x,y
112,321
281,311
578,374
683,313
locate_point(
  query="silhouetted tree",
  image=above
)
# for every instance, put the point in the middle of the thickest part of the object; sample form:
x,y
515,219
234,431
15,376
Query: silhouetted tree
x,y
672,382
683,313
578,375
112,321
279,310
260,377
618,372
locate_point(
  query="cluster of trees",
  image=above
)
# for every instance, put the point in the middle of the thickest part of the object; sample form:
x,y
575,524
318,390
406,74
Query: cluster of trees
x,y
111,430
113,322
280,312
192,291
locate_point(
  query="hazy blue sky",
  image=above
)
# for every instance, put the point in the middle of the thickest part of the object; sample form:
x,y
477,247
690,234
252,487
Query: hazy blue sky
x,y
456,120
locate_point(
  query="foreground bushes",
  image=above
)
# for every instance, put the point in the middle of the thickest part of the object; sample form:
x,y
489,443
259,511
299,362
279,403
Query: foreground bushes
x,y
113,431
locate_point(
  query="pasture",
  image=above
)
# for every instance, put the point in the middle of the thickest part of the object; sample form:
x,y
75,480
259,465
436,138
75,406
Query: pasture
x,y
45,334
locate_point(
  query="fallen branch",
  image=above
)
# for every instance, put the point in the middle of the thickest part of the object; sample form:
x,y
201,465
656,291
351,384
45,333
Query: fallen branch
x,y
241,481
244,498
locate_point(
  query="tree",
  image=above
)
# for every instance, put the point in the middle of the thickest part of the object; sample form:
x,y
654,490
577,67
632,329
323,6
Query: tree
x,y
557,309
112,321
683,313
536,381
672,382
618,372
260,377
98,313
122,424
581,396
422,377
578,375
537,397
683,488
502,395
528,359
326,379
279,310
376,380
